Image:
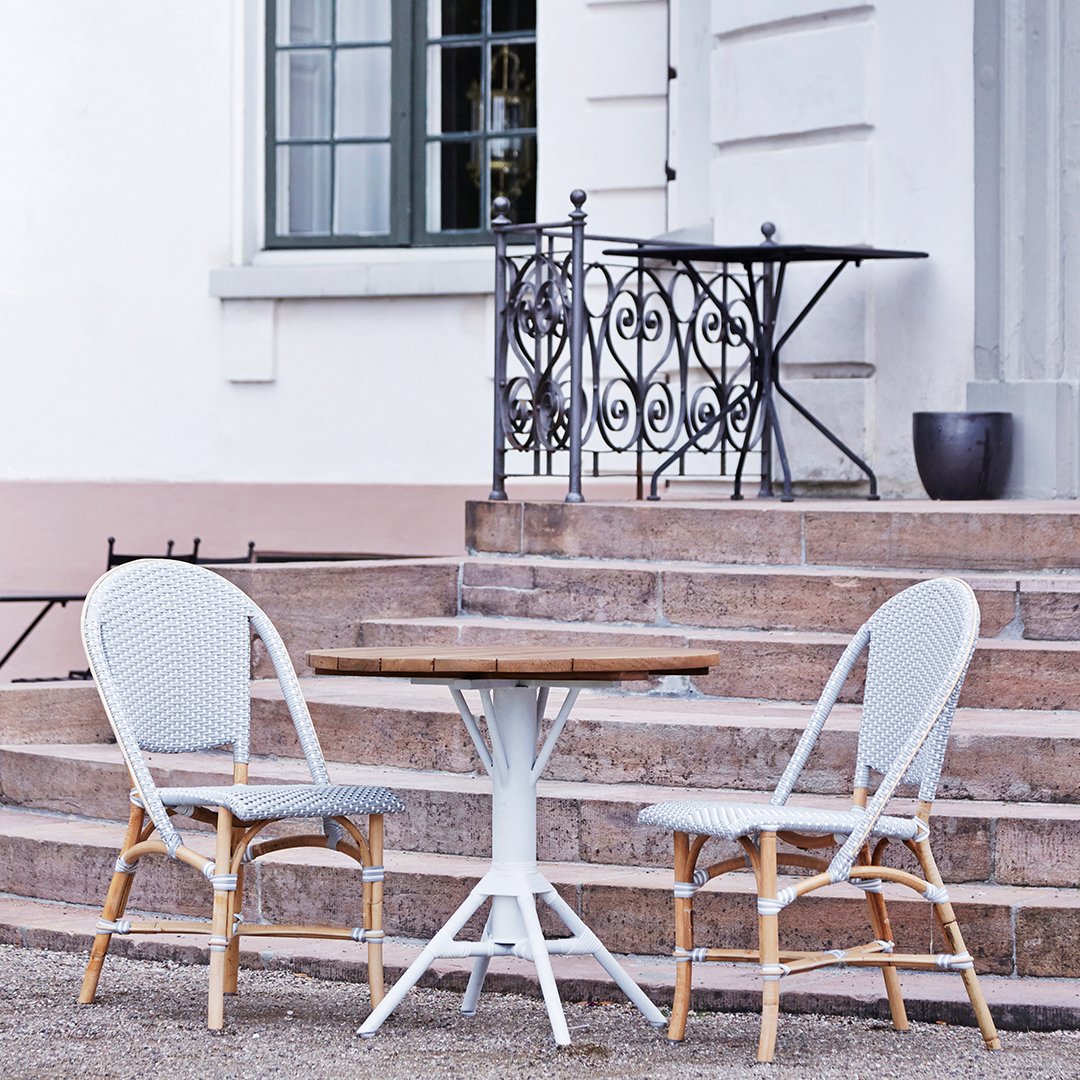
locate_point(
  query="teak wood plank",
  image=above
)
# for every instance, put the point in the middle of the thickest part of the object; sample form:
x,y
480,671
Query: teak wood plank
x,y
536,661
484,664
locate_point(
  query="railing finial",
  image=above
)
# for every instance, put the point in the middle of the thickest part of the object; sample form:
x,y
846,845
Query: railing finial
x,y
577,197
500,208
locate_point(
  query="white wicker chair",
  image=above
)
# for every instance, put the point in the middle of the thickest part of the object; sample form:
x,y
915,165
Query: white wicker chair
x,y
170,647
920,644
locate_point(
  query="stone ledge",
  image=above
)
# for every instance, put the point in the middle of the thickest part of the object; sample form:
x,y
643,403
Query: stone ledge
x,y
1027,1004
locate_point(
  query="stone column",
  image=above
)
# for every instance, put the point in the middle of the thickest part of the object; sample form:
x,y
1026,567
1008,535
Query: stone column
x,y
1027,226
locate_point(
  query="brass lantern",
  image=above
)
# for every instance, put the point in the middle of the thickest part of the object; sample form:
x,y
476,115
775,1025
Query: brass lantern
x,y
511,157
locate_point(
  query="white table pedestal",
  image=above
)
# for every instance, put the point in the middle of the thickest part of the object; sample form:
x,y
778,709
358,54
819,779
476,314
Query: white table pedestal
x,y
514,714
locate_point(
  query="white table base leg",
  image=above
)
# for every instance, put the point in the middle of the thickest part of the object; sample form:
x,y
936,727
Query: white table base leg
x,y
435,948
476,979
522,890
605,959
514,719
542,961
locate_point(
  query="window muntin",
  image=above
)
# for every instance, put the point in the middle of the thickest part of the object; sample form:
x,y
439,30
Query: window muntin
x,y
351,162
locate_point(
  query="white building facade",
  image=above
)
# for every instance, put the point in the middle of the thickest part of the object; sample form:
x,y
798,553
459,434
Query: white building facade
x,y
156,341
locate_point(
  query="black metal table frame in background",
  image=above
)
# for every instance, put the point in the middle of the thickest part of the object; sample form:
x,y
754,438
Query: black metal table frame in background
x,y
765,355
49,600
556,405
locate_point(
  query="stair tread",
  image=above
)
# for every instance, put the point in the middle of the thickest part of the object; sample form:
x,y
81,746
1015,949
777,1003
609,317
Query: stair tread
x,y
985,578
217,766
1065,579
995,535
1030,1002
48,828
615,707
691,633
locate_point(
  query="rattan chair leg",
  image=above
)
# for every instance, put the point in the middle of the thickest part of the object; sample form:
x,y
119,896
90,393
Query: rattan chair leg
x,y
882,925
955,939
220,931
373,917
115,903
232,953
768,949
879,920
684,942
110,911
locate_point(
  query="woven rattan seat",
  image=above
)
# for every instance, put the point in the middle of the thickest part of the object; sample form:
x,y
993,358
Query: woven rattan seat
x,y
918,646
250,802
169,645
732,820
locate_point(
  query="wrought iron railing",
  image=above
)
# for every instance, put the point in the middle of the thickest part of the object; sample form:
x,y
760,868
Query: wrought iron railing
x,y
619,364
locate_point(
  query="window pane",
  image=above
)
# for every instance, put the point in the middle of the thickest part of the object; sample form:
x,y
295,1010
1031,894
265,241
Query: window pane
x,y
512,165
453,186
455,101
363,93
303,22
363,20
513,87
456,17
362,191
303,190
303,95
509,15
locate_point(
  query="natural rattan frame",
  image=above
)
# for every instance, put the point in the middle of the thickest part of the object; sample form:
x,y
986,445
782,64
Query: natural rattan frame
x,y
150,828
860,855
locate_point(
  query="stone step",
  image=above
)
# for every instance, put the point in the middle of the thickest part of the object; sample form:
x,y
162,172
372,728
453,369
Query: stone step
x,y
615,738
778,665
1010,843
1030,1003
736,597
326,602
1039,607
1009,930
52,712
1000,535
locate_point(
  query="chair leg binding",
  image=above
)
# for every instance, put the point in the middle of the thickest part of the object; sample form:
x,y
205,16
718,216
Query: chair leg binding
x,y
362,936
114,926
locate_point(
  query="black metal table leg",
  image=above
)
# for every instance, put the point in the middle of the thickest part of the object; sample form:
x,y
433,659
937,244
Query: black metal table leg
x,y
30,629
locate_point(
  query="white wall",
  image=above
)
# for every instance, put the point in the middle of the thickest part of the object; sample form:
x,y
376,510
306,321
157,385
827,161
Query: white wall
x,y
603,111
115,189
851,122
145,336
132,193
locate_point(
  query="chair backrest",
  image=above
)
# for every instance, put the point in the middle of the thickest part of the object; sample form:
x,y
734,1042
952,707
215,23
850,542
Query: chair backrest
x,y
920,644
169,644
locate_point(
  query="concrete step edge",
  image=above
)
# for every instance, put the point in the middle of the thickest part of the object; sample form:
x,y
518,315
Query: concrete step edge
x,y
1025,1003
38,827
218,768
1003,578
695,634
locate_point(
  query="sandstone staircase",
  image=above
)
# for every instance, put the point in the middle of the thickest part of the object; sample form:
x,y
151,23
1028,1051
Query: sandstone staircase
x,y
777,590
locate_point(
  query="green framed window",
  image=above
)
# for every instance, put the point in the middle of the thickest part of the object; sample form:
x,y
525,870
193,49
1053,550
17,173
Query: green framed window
x,y
397,122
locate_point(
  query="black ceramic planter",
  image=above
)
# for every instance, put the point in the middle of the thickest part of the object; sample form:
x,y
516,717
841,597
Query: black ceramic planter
x,y
963,455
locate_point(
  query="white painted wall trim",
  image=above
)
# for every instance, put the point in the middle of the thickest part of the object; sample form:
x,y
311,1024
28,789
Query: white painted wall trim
x,y
358,273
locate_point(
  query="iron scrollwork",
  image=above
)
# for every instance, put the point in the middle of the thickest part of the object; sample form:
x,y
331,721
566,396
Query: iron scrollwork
x,y
667,358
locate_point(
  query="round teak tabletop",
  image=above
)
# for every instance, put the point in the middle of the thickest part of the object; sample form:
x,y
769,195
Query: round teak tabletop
x,y
508,662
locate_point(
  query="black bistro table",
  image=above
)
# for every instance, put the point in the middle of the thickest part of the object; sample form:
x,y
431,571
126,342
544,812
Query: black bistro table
x,y
764,266
48,598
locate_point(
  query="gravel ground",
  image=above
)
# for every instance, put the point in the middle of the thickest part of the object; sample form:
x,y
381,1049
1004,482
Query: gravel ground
x,y
149,1021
